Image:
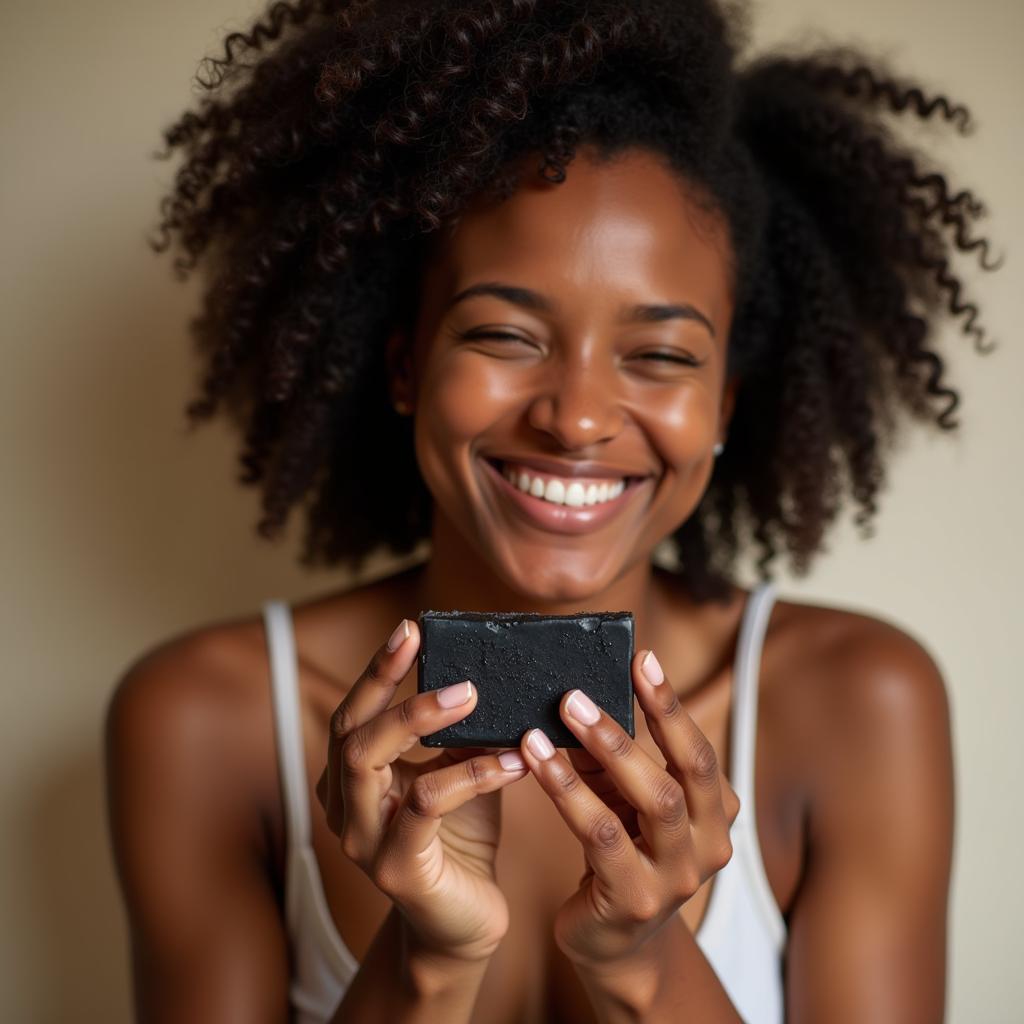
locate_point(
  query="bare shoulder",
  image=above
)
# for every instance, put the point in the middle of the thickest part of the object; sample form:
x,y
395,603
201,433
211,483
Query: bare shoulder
x,y
191,785
197,706
855,664
205,695
861,694
863,725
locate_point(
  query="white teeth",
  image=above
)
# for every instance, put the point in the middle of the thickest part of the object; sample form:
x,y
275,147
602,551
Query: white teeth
x,y
555,491
575,494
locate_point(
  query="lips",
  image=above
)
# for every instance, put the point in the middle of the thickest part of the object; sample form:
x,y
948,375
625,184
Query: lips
x,y
567,469
554,518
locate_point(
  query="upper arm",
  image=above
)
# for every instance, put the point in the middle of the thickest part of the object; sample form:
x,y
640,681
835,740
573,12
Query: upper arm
x,y
207,938
867,936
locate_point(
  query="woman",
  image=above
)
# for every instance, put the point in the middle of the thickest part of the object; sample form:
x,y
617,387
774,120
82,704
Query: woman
x,y
568,291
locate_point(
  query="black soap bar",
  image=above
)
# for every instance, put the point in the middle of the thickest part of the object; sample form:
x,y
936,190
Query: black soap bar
x,y
521,664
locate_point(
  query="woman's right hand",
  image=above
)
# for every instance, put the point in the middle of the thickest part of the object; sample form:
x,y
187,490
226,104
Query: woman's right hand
x,y
426,833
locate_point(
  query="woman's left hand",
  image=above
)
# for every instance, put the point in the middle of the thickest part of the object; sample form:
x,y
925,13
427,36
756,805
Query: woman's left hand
x,y
651,834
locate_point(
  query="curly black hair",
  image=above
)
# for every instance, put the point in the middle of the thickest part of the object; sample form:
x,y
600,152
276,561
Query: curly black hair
x,y
336,137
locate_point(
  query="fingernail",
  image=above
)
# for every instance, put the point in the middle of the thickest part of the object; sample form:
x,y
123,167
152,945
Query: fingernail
x,y
454,695
582,708
511,761
540,746
399,636
651,669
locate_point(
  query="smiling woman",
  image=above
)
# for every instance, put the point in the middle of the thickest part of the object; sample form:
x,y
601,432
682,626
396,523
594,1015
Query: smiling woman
x,y
550,286
562,336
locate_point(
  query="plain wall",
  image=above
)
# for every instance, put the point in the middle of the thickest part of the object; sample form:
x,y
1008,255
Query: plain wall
x,y
119,530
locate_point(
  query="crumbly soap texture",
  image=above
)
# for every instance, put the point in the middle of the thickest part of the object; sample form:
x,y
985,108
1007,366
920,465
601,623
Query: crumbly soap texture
x,y
521,664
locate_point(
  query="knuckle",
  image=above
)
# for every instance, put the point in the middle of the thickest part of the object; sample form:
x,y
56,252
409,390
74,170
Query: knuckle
x,y
375,669
383,875
672,709
605,833
642,909
704,761
689,882
723,854
669,801
407,714
734,806
354,752
617,742
341,722
476,771
351,846
568,782
423,796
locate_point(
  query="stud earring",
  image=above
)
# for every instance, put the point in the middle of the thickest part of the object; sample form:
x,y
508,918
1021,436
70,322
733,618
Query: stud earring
x,y
718,449
403,408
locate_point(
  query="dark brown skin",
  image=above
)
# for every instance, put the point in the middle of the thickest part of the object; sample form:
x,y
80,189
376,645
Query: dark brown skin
x,y
854,776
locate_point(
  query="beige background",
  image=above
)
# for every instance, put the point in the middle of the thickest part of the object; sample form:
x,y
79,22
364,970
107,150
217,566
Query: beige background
x,y
118,530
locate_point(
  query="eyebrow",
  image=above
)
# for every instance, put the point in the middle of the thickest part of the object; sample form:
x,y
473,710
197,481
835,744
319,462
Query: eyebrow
x,y
537,303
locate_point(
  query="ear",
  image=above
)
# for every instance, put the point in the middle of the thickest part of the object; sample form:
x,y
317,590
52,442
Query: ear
x,y
728,403
401,384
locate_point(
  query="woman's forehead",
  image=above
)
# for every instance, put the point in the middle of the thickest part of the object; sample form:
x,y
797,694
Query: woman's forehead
x,y
628,225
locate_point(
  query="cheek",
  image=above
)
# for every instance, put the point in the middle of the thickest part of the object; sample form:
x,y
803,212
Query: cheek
x,y
464,397
459,400
682,424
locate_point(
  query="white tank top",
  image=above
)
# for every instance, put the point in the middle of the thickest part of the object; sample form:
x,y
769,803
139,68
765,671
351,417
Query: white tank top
x,y
742,934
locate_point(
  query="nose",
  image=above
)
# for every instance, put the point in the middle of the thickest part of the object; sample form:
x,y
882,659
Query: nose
x,y
578,405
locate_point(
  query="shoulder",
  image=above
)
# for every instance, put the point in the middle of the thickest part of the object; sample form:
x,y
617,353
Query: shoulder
x,y
190,785
864,715
854,661
193,684
860,669
201,700
865,702
193,713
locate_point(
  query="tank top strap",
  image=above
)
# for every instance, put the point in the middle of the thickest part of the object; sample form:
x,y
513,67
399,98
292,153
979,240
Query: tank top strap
x,y
284,681
743,737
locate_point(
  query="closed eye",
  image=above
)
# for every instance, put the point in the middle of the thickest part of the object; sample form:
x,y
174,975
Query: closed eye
x,y
494,334
672,357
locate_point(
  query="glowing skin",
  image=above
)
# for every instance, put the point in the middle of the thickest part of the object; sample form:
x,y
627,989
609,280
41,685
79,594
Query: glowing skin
x,y
577,381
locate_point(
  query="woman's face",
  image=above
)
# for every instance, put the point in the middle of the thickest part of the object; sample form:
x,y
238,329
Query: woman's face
x,y
572,339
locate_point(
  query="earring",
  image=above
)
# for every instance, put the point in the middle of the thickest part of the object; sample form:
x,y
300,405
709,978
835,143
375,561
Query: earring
x,y
718,449
402,407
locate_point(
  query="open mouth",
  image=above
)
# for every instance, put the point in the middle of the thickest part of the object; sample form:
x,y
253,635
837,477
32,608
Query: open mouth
x,y
559,503
573,492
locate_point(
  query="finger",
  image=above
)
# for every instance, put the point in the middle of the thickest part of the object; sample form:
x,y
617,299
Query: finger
x,y
368,696
431,796
606,845
730,800
658,798
690,757
375,688
452,755
367,754
603,786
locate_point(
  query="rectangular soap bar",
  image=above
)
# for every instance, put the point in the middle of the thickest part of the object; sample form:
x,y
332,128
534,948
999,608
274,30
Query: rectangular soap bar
x,y
521,664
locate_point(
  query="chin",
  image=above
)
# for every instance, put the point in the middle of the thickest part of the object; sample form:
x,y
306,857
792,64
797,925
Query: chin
x,y
553,586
